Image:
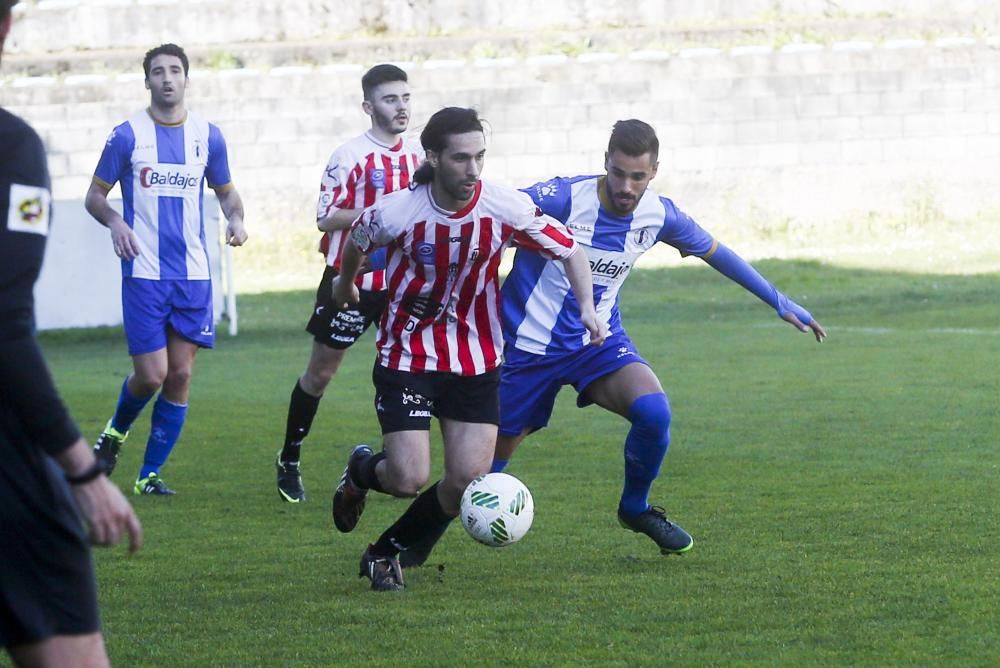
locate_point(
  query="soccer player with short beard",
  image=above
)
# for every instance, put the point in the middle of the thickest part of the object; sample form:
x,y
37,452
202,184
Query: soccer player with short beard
x,y
439,341
160,157
615,218
359,172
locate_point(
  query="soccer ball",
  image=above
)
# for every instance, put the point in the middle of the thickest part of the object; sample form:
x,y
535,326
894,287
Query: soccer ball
x,y
497,509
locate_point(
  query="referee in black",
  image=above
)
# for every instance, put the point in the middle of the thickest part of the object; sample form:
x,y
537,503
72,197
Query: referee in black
x,y
54,498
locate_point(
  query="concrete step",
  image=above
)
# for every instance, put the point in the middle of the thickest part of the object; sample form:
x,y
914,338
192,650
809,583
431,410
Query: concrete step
x,y
24,57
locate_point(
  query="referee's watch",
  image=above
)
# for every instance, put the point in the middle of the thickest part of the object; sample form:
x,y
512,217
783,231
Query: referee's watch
x,y
91,473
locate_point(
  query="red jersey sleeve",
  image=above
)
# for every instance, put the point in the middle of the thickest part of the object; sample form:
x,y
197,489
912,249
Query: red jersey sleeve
x,y
541,233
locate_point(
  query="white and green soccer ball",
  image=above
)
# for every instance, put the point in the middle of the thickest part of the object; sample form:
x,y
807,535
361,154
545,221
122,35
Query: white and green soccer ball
x,y
497,509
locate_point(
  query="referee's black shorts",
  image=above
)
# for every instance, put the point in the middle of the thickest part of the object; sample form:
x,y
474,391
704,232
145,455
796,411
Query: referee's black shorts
x,y
47,585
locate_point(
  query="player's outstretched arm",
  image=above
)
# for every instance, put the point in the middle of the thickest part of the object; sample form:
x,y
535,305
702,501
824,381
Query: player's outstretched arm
x,y
232,209
738,270
582,282
108,515
123,239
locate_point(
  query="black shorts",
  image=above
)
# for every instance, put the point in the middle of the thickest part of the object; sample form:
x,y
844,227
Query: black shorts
x,y
340,328
47,585
406,401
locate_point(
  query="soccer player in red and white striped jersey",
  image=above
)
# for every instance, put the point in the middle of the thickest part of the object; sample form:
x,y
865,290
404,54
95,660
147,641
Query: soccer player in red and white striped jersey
x,y
441,269
439,341
359,173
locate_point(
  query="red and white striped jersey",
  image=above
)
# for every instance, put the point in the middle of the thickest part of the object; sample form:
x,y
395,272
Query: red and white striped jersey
x,y
442,273
358,173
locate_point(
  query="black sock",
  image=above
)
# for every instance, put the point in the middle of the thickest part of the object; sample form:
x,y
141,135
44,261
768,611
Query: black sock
x,y
423,516
363,472
301,411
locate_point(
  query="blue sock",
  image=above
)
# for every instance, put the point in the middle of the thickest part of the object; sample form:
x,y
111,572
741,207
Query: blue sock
x,y
645,447
498,465
128,408
164,430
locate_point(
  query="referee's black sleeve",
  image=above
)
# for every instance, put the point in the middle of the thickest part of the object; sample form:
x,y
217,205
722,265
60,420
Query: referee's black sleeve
x,y
26,387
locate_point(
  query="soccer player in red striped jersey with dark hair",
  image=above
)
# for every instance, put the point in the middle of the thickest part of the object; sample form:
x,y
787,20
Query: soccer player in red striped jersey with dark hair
x,y
439,340
360,171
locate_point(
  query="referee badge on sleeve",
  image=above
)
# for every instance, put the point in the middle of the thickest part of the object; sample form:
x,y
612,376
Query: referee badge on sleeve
x,y
28,210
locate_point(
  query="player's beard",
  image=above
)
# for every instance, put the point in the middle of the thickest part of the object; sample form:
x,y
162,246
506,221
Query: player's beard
x,y
388,124
461,191
624,203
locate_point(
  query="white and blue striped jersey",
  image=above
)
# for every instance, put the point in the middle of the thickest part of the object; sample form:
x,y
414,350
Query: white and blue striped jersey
x,y
540,313
161,169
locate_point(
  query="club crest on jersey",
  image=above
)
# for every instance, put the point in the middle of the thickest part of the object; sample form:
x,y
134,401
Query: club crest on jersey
x,y
378,178
640,237
424,252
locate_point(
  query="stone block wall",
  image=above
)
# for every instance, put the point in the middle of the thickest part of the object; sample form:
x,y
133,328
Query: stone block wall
x,y
805,132
55,25
784,140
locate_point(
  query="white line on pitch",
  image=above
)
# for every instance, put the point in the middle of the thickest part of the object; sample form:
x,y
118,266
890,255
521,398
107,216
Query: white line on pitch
x,y
892,330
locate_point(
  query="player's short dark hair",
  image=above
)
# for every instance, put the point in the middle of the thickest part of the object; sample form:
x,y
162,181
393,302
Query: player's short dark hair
x,y
444,123
164,50
634,138
5,7
379,75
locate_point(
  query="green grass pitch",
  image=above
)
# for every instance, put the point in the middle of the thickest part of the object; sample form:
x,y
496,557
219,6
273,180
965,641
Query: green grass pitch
x,y
843,497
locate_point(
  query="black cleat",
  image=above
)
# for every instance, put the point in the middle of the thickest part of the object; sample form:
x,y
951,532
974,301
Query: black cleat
x,y
108,445
654,523
349,499
417,554
384,572
290,487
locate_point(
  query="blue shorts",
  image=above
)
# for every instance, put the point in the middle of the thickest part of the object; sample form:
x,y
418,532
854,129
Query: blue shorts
x,y
529,383
150,307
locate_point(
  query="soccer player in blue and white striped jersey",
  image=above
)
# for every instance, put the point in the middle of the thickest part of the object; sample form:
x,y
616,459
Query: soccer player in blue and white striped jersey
x,y
161,157
615,218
